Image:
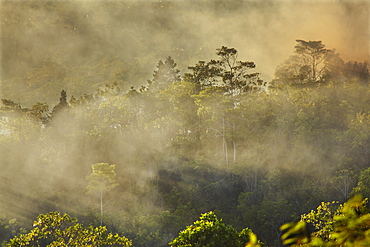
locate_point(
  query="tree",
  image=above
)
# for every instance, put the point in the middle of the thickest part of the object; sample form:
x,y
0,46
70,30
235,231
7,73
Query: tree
x,y
322,219
313,54
20,124
53,229
228,72
363,185
210,231
181,107
63,103
203,75
10,105
307,65
40,111
234,73
338,70
356,141
213,108
357,71
292,70
348,225
165,74
101,180
343,182
109,89
335,68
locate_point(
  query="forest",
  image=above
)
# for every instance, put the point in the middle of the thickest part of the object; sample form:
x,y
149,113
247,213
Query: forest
x,y
209,145
215,139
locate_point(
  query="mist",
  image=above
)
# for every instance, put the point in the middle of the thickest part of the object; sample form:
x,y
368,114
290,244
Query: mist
x,y
170,147
140,33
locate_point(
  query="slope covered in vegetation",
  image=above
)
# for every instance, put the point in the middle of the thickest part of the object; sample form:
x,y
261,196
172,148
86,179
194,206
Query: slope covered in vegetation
x,y
215,139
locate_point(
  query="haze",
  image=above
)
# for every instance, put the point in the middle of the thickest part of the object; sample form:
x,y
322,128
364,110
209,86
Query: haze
x,y
140,33
180,150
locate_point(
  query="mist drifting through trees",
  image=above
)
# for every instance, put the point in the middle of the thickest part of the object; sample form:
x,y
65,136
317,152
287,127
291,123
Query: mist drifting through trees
x,y
51,46
256,110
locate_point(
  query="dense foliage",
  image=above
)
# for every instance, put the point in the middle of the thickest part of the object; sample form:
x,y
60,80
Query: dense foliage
x,y
54,229
344,225
210,231
216,139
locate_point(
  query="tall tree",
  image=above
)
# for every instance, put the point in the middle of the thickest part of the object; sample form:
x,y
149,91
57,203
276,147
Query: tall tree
x,y
313,54
344,181
308,64
165,74
63,103
233,75
183,110
101,180
203,75
213,110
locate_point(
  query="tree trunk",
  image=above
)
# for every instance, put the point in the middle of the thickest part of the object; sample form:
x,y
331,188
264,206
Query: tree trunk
x,y
313,71
234,143
101,208
346,187
224,144
255,178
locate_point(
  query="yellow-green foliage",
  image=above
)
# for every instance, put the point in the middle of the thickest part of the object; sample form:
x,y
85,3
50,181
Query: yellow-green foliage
x,y
54,229
210,231
348,225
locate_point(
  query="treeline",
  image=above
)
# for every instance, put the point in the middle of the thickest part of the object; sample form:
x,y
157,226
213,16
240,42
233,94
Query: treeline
x,y
330,225
218,138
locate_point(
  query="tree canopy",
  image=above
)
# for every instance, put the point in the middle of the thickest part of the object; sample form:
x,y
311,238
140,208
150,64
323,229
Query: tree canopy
x,y
312,63
54,229
209,231
214,139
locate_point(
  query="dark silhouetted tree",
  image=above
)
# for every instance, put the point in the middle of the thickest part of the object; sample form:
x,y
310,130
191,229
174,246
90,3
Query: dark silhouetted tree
x,y
63,104
203,74
165,74
313,53
357,71
306,65
227,71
